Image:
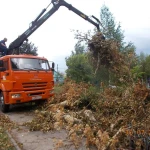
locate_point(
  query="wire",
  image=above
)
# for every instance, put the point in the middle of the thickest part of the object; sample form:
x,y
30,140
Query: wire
x,y
48,5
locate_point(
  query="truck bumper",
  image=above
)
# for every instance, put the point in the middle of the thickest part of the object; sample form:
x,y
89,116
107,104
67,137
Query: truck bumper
x,y
28,96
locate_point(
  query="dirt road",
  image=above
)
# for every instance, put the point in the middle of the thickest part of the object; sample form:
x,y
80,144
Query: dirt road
x,y
37,140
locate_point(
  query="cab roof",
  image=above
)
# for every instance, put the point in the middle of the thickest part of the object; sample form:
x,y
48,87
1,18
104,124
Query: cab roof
x,y
22,56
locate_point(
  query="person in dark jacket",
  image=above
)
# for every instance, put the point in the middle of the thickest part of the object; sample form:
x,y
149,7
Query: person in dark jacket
x,y
3,47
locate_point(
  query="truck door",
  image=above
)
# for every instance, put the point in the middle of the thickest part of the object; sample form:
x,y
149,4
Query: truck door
x,y
6,74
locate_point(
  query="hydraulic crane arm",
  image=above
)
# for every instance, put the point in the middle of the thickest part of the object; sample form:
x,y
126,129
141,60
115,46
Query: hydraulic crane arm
x,y
41,19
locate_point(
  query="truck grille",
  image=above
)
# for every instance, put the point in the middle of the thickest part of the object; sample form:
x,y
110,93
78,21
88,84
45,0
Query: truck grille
x,y
34,85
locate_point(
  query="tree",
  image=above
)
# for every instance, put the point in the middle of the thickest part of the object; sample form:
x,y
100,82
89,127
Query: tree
x,y
142,61
79,68
137,73
28,48
111,29
147,65
79,49
141,64
142,69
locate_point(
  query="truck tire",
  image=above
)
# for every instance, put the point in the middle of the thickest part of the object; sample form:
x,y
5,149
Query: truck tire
x,y
3,107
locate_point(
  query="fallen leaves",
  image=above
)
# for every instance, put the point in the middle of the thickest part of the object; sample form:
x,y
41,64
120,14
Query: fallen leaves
x,y
5,124
43,121
5,142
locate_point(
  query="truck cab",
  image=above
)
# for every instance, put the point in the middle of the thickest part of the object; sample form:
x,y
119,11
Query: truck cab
x,y
24,78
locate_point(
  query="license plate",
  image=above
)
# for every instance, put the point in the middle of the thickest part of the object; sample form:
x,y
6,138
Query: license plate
x,y
36,97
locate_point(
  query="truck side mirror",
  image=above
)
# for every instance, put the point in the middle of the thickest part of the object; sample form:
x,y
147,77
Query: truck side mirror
x,y
53,65
1,63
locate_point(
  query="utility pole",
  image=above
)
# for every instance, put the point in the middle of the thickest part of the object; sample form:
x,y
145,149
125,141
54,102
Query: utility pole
x,y
57,67
57,73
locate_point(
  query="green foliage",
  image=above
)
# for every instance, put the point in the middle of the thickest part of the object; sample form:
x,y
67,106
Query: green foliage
x,y
28,48
147,65
79,49
143,65
129,48
102,75
110,29
142,57
136,72
89,98
79,68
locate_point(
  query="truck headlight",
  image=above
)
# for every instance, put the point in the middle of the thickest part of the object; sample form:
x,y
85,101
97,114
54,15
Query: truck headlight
x,y
16,95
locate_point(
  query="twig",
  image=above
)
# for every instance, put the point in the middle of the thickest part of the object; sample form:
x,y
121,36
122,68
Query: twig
x,y
112,139
98,62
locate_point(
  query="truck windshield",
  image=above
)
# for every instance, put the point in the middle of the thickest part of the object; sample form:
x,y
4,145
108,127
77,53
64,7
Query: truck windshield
x,y
29,64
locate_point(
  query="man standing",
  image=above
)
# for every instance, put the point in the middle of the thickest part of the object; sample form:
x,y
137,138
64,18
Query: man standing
x,y
3,47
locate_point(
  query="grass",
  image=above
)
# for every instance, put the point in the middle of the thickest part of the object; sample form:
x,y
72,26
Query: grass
x,y
58,88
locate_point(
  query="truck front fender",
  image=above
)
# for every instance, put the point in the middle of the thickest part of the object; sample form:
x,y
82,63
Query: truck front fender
x,y
6,85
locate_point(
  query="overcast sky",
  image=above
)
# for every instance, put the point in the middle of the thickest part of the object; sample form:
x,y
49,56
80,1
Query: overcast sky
x,y
54,38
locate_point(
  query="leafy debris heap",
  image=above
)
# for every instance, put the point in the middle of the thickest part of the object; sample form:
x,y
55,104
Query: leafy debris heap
x,y
106,53
108,119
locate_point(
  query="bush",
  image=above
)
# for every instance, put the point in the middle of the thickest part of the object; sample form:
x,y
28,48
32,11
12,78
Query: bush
x,y
88,98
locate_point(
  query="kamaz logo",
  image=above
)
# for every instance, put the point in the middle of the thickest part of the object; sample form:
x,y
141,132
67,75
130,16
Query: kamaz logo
x,y
35,75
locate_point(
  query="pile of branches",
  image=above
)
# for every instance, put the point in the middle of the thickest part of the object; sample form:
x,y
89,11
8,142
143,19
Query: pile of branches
x,y
112,121
105,52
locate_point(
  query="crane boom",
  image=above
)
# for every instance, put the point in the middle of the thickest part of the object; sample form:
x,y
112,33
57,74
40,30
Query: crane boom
x,y
40,19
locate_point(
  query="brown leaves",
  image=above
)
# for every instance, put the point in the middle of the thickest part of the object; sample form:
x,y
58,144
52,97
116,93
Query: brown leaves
x,y
5,124
106,53
43,121
107,50
115,109
5,143
141,91
103,139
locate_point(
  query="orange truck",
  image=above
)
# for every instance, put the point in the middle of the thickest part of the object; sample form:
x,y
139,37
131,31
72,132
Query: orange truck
x,y
24,78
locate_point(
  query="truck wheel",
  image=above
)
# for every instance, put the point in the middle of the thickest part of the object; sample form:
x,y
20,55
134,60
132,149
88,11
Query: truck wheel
x,y
4,108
